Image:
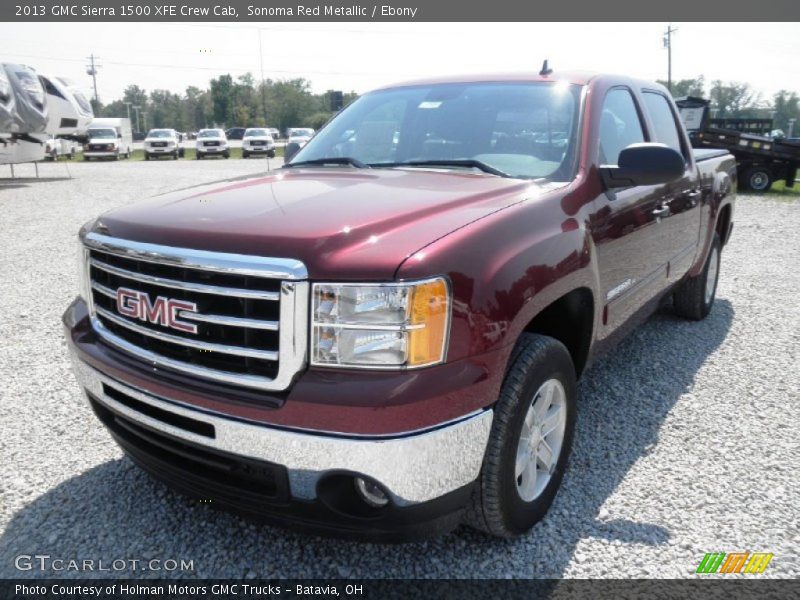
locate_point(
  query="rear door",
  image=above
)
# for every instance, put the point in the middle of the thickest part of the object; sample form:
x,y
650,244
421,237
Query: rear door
x,y
626,223
680,222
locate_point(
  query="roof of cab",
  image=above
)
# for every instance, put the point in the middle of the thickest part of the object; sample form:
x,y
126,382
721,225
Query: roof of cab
x,y
574,77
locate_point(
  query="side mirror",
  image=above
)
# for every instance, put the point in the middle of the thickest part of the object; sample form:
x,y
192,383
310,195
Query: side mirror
x,y
644,164
290,150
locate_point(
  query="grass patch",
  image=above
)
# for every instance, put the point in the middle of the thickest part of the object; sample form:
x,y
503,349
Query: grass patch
x,y
779,187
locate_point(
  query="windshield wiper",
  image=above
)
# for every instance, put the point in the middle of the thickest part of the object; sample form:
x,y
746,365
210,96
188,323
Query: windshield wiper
x,y
448,162
334,160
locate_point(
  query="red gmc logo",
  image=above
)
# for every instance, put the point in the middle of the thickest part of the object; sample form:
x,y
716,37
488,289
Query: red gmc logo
x,y
164,311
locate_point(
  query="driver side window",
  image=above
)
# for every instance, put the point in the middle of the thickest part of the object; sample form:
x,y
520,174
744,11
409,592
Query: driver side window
x,y
620,125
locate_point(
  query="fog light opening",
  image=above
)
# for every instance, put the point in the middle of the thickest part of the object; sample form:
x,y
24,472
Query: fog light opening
x,y
371,493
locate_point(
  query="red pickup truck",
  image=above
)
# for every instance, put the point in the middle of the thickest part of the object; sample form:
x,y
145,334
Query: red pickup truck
x,y
382,339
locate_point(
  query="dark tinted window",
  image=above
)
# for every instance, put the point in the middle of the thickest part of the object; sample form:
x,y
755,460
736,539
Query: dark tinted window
x,y
50,88
620,125
526,130
665,129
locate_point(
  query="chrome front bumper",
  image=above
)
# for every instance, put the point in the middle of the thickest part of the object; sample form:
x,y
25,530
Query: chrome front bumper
x,y
413,468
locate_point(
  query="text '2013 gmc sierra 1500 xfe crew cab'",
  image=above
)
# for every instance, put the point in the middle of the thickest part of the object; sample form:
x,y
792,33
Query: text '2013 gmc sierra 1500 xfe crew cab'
x,y
382,338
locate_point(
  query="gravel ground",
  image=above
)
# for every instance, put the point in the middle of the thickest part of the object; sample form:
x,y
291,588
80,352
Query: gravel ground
x,y
687,438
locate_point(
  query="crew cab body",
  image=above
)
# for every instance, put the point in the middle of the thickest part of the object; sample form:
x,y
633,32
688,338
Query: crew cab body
x,y
212,142
162,142
359,343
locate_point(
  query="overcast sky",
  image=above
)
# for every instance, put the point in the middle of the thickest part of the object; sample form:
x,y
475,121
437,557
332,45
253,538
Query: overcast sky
x,y
361,56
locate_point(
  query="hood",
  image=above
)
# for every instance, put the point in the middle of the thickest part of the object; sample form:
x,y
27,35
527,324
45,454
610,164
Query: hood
x,y
344,224
160,139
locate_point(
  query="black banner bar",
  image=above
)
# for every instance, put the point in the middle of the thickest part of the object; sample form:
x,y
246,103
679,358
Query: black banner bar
x,y
232,11
711,588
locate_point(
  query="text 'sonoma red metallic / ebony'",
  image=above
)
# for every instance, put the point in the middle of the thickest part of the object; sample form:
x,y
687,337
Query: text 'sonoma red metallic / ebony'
x,y
382,339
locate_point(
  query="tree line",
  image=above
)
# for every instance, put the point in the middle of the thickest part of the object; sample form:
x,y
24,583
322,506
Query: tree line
x,y
227,102
739,100
245,102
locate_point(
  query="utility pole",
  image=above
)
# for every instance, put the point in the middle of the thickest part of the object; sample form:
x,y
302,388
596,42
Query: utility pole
x,y
136,107
128,106
91,69
144,120
263,88
668,45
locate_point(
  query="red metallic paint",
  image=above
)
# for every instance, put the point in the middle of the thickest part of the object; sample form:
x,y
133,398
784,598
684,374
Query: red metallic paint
x,y
510,249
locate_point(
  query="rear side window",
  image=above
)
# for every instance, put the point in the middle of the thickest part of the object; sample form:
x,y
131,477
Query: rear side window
x,y
620,125
665,129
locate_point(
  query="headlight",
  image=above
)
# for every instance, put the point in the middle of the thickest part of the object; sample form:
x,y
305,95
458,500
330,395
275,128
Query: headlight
x,y
380,325
82,256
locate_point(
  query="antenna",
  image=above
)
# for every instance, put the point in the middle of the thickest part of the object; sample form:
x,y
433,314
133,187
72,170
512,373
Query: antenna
x,y
546,70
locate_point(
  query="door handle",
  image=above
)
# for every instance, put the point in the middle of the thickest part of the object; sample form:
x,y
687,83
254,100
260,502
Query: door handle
x,y
661,211
693,196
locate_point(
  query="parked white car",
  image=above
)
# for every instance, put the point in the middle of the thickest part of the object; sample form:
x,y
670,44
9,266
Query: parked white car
x,y
56,146
108,138
299,135
162,142
258,140
212,142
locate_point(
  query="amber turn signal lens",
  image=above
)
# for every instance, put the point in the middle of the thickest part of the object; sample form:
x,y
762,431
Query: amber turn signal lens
x,y
429,315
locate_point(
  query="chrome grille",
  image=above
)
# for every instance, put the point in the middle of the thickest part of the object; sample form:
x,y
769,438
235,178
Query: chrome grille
x,y
249,326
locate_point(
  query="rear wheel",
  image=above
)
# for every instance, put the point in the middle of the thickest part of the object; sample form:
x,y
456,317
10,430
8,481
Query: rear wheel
x,y
758,179
694,297
528,448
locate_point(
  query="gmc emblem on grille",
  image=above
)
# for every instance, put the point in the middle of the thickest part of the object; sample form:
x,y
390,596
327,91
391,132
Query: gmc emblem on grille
x,y
163,311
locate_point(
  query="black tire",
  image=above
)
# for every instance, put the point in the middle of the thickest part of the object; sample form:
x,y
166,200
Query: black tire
x,y
146,156
227,155
198,156
690,299
271,153
758,179
245,154
87,158
496,506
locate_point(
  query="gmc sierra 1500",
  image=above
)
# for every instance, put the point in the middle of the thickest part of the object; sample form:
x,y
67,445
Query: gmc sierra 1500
x,y
383,338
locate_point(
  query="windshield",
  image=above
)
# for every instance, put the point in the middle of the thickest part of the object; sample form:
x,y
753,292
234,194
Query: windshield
x,y
299,132
160,133
103,134
256,133
525,130
209,133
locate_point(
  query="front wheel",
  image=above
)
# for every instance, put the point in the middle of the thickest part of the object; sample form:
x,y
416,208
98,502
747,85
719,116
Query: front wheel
x,y
530,442
694,297
146,156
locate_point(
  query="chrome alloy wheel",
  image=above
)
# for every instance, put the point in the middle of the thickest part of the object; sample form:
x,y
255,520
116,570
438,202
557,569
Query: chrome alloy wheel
x,y
541,439
711,276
